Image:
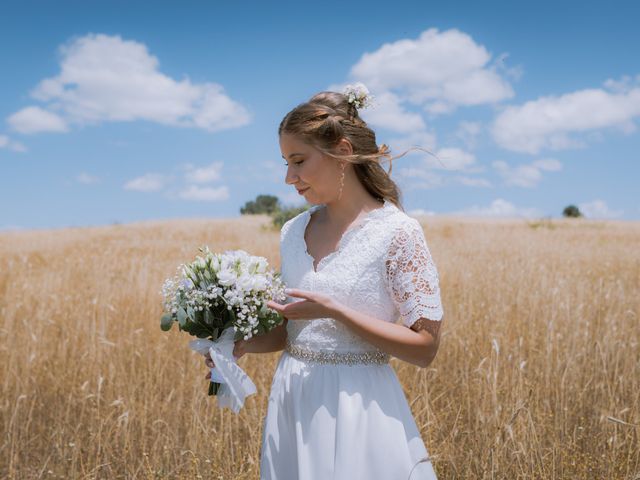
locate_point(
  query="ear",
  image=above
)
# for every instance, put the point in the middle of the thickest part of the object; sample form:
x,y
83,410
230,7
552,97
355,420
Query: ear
x,y
344,147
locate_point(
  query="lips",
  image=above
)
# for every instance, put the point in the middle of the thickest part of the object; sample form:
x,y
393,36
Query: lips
x,y
302,190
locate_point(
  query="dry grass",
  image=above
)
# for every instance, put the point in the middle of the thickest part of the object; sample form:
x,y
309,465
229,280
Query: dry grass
x,y
537,376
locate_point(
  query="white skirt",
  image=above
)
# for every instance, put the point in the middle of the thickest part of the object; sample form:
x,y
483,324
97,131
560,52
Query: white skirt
x,y
340,422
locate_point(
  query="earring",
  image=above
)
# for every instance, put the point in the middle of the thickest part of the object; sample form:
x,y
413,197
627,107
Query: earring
x,y
341,182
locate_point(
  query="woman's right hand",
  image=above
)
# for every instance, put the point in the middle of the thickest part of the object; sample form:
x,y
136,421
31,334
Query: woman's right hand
x,y
239,349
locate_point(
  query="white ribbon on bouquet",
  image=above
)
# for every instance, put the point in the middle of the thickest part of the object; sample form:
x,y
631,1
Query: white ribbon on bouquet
x,y
235,383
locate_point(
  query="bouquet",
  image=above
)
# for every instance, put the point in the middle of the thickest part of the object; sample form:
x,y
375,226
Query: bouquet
x,y
220,298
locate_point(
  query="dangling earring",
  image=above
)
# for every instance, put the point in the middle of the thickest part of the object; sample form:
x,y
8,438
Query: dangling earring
x,y
341,182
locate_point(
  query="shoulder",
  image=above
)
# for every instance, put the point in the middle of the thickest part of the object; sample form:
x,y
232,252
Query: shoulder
x,y
400,225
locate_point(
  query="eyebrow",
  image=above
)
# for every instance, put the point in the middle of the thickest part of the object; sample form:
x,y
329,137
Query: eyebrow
x,y
292,155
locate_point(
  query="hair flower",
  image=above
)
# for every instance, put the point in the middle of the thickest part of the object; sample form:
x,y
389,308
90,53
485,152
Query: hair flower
x,y
358,94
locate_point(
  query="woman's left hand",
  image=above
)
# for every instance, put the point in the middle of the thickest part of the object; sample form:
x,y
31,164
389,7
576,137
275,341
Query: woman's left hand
x,y
313,305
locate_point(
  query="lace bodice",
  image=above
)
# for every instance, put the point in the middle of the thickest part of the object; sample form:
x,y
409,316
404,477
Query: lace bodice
x,y
381,267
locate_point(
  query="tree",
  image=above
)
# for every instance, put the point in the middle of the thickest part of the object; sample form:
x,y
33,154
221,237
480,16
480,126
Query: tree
x,y
572,211
267,204
281,216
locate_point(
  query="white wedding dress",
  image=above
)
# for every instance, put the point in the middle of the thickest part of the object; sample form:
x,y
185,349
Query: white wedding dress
x,y
336,409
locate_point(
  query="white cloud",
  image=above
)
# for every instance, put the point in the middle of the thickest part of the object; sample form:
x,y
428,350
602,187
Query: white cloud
x,y
9,144
528,175
499,208
86,178
552,122
36,120
598,209
420,212
205,174
472,181
205,194
107,78
150,182
439,71
451,159
468,132
421,139
388,112
549,164
423,175
420,178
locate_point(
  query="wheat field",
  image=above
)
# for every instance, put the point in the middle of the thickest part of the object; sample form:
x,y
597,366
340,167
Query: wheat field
x,y
538,373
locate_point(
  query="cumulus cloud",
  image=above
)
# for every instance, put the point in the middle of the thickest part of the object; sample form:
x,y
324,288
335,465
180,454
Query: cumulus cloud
x,y
439,71
36,120
205,194
422,139
472,181
388,112
420,178
150,182
499,208
204,174
9,144
556,122
86,178
468,133
427,174
451,159
107,78
528,175
599,209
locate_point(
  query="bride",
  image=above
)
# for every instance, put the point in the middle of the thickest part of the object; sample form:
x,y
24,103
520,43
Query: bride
x,y
355,264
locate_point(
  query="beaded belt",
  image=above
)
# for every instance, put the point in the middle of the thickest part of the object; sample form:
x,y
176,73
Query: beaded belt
x,y
349,358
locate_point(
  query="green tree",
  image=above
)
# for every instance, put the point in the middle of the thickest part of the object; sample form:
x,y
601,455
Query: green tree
x,y
281,216
267,204
572,211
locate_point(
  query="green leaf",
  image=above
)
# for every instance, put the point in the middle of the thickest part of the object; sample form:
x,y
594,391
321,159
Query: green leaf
x,y
182,317
208,317
166,321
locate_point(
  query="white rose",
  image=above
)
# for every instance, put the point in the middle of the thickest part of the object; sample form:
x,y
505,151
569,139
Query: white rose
x,y
227,277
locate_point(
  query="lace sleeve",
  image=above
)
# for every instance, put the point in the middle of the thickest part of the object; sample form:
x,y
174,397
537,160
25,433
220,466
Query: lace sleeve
x,y
412,277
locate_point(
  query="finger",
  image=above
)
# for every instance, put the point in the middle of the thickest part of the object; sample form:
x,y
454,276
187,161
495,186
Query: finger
x,y
294,292
208,376
275,306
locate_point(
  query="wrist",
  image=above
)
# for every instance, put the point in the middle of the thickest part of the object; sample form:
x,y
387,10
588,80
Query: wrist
x,y
338,311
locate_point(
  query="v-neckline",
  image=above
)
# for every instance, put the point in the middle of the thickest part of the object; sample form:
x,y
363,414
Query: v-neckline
x,y
315,266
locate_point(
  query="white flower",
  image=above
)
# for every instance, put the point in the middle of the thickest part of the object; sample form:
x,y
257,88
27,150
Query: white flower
x,y
227,277
358,94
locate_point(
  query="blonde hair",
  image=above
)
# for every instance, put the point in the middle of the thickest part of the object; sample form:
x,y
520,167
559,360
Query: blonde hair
x,y
327,118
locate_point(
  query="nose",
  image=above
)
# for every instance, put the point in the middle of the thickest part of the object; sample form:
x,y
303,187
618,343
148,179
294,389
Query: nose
x,y
290,178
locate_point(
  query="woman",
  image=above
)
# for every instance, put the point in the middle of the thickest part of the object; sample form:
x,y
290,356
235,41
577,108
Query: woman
x,y
355,263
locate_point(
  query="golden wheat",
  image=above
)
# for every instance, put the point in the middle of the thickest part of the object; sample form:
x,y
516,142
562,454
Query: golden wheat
x,y
537,374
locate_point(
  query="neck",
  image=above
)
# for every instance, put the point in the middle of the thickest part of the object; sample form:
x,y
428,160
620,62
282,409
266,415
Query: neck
x,y
355,201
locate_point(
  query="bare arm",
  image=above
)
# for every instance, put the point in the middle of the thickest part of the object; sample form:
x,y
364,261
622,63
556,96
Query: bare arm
x,y
273,341
417,345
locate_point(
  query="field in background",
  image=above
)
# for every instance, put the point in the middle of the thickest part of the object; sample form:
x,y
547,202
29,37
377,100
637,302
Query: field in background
x,y
538,374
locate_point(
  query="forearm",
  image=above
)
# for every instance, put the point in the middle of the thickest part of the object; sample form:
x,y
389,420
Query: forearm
x,y
273,341
395,339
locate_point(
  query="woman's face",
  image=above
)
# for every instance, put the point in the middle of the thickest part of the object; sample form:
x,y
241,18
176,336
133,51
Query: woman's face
x,y
315,176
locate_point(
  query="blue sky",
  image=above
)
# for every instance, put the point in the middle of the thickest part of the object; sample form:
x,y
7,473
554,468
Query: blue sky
x,y
131,111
